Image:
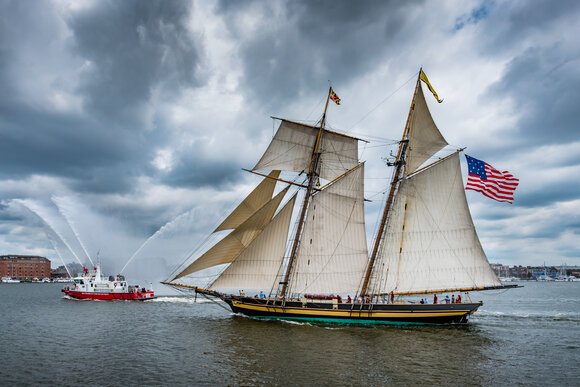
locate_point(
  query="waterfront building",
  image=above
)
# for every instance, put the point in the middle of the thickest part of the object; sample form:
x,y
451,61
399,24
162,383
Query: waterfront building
x,y
24,267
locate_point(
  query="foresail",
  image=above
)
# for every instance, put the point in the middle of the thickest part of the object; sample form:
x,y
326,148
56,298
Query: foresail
x,y
333,251
257,266
425,139
254,201
431,243
292,145
226,250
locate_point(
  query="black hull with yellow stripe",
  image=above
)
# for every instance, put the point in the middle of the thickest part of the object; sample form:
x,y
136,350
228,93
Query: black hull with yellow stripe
x,y
353,313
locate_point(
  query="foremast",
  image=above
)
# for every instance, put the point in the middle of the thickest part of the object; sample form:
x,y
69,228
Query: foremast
x,y
399,172
312,180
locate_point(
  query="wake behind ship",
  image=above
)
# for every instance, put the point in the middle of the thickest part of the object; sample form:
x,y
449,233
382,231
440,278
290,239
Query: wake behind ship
x,y
426,241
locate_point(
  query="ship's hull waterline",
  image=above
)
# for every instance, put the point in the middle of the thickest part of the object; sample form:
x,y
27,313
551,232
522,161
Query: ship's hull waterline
x,y
353,313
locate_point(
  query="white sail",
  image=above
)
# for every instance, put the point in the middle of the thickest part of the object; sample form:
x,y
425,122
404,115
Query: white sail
x,y
226,250
431,243
257,266
254,201
425,139
292,145
332,255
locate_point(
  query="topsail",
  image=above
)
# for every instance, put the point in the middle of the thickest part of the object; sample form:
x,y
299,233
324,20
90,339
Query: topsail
x,y
292,146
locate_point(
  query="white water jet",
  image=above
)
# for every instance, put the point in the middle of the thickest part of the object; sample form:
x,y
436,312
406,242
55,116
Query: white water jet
x,y
59,205
35,211
162,230
53,243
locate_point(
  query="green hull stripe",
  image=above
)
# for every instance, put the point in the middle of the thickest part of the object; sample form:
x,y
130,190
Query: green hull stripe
x,y
341,320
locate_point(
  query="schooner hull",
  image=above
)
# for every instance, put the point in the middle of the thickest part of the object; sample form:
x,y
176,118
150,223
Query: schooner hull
x,y
354,313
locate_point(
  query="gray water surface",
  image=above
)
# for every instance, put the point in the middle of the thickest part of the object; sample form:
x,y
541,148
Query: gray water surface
x,y
526,336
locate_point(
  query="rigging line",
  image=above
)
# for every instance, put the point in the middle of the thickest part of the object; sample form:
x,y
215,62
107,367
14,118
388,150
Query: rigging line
x,y
211,236
214,301
194,250
287,252
383,101
316,107
395,211
363,150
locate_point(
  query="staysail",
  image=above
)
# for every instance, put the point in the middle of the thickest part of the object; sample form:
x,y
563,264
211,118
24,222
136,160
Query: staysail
x,y
431,243
333,251
258,265
253,202
226,250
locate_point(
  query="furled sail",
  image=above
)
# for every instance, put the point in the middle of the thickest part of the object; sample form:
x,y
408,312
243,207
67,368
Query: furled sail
x,y
431,243
257,266
292,145
425,139
226,250
255,200
332,255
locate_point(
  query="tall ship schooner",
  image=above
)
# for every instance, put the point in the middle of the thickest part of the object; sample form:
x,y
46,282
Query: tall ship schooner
x,y
426,243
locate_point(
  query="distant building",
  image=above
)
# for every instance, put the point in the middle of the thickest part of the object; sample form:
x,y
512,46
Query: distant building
x,y
500,270
505,271
61,271
520,272
24,267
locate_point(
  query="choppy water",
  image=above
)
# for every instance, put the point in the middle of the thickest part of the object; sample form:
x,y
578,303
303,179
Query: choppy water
x,y
528,336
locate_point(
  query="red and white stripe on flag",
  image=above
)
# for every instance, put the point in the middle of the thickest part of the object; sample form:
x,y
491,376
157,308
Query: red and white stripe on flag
x,y
490,182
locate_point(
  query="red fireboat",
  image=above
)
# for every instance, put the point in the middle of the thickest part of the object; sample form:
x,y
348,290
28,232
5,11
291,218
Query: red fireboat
x,y
95,286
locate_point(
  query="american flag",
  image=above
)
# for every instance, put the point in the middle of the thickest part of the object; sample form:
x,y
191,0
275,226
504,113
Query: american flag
x,y
489,181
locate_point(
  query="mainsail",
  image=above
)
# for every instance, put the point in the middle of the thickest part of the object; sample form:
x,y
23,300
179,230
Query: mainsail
x,y
430,242
333,252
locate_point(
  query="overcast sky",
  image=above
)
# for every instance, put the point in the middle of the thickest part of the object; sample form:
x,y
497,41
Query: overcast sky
x,y
121,116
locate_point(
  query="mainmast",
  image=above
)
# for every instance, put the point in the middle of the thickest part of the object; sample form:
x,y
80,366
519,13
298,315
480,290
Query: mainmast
x,y
397,175
312,179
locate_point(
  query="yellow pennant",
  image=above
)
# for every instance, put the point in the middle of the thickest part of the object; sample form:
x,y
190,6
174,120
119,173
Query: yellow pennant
x,y
424,78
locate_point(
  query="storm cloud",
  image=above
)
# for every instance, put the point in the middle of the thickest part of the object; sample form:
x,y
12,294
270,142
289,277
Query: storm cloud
x,y
147,110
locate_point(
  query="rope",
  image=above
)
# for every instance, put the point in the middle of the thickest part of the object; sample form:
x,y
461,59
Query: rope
x,y
214,301
383,101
